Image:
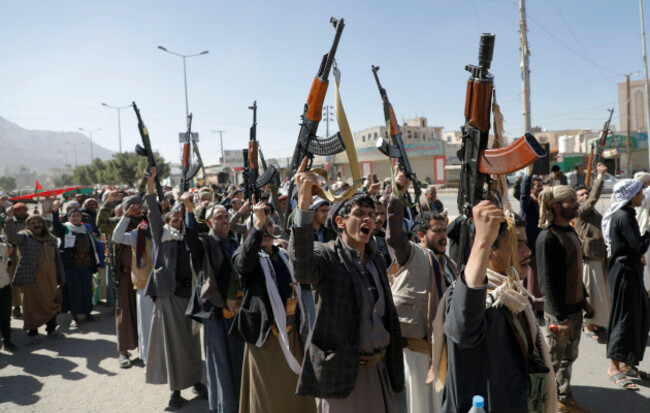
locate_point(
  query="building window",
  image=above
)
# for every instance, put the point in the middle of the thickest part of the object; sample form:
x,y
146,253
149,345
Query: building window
x,y
375,135
363,138
415,135
408,134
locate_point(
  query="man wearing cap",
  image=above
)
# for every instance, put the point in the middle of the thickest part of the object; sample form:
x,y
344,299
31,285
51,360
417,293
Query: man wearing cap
x,y
19,222
353,361
559,268
125,303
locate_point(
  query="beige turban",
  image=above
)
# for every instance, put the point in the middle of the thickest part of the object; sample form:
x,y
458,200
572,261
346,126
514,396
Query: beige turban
x,y
547,198
642,177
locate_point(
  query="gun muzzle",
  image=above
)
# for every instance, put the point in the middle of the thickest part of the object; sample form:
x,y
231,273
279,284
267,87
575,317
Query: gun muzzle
x,y
486,50
518,155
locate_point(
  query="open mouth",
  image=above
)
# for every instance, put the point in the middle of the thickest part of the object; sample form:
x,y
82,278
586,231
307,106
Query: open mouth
x,y
365,231
524,264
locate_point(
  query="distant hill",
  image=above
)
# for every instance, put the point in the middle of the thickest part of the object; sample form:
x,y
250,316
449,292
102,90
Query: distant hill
x,y
39,150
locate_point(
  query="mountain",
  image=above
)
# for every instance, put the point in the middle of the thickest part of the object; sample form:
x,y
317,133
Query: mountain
x,y
39,150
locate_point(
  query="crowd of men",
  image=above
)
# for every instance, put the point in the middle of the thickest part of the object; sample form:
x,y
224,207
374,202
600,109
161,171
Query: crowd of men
x,y
355,302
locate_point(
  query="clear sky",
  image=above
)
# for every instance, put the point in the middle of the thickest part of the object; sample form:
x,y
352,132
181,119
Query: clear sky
x,y
59,60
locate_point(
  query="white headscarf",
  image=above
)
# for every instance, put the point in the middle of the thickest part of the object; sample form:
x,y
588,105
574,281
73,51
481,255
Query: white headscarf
x,y
624,191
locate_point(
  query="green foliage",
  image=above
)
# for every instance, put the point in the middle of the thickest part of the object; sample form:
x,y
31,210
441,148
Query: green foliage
x,y
8,183
125,168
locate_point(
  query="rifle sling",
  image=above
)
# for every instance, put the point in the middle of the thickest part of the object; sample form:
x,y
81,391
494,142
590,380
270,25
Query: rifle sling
x,y
348,141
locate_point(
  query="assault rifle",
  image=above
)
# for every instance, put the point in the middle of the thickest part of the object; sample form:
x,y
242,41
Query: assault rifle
x,y
253,181
395,149
478,162
603,136
188,171
145,150
308,143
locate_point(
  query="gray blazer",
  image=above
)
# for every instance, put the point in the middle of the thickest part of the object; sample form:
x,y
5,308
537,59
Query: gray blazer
x,y
28,250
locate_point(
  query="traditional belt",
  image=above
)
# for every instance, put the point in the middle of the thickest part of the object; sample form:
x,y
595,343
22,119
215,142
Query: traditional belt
x,y
372,359
81,255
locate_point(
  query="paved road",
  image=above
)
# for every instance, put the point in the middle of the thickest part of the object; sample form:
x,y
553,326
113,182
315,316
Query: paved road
x,y
80,373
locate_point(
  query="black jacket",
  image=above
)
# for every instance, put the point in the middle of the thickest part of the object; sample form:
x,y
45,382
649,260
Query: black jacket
x,y
255,316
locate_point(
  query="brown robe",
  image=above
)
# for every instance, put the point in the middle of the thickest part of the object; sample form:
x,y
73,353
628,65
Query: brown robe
x,y
40,299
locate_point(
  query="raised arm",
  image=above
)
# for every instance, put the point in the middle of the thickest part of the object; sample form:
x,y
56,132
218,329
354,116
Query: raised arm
x,y
465,322
308,266
57,226
120,236
191,229
105,223
596,190
155,219
246,257
395,236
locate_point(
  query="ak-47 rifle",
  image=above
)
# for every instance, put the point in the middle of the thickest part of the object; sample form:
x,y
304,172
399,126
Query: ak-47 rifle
x,y
308,143
188,171
395,149
589,167
145,150
478,162
253,181
603,136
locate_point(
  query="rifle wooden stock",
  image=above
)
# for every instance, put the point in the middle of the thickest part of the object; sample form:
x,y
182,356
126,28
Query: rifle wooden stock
x,y
514,157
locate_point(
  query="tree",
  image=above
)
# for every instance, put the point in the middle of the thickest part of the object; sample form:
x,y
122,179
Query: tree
x,y
125,168
8,183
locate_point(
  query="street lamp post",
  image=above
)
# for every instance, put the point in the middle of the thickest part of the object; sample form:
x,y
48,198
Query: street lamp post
x,y
119,122
184,56
90,132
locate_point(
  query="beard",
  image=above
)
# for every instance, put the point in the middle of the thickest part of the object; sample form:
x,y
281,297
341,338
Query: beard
x,y
568,213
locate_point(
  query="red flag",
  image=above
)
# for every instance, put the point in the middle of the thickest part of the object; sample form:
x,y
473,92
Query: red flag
x,y
39,187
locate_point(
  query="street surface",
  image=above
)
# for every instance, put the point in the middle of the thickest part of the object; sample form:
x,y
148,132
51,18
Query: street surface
x,y
80,373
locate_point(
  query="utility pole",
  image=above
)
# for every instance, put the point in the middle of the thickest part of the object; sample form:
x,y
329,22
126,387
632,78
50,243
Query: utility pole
x,y
628,169
220,132
525,72
327,113
647,88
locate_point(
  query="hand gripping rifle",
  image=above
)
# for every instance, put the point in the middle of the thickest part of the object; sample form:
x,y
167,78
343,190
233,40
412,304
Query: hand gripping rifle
x,y
395,149
308,143
145,150
478,162
188,171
